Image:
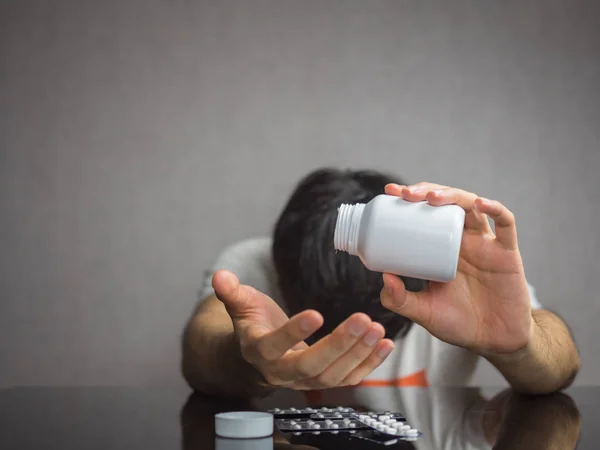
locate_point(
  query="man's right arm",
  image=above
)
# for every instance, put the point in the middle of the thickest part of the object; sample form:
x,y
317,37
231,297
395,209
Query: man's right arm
x,y
211,358
243,344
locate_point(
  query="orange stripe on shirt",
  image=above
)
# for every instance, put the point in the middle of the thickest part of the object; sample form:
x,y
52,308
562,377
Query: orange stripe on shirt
x,y
418,379
414,380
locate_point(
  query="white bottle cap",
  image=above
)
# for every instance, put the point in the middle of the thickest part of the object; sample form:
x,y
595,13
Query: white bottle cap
x,y
244,424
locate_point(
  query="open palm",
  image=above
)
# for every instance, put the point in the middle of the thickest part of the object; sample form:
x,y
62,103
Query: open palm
x,y
258,314
275,344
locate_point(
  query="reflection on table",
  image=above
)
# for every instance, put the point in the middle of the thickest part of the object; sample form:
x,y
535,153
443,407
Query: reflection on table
x,y
450,418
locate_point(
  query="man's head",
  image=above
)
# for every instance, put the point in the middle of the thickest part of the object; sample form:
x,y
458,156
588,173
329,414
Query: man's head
x,y
311,274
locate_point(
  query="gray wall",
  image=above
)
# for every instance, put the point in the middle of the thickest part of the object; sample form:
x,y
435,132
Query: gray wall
x,y
139,138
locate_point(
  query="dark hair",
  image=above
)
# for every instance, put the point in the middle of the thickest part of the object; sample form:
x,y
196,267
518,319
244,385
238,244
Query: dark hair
x,y
311,274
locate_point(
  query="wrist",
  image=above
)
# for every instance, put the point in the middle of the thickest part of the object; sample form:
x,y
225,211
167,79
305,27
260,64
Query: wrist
x,y
518,355
250,380
548,362
527,369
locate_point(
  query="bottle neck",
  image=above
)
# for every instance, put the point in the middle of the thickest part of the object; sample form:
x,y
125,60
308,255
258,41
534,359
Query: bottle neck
x,y
347,227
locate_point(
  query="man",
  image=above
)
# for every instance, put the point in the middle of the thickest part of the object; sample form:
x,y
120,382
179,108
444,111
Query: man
x,y
291,312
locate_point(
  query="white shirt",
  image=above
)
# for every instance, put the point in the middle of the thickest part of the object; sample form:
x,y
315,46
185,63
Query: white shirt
x,y
419,359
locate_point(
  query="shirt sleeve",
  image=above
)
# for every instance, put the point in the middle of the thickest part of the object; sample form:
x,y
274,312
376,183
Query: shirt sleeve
x,y
249,260
535,303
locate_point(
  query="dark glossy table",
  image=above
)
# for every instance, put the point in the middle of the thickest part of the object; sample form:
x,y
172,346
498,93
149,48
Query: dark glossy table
x,y
162,418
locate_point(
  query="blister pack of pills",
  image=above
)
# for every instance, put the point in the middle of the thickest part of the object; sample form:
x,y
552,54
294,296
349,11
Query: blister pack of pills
x,y
382,427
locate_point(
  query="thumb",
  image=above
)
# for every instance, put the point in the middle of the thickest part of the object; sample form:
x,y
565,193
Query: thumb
x,y
228,289
412,305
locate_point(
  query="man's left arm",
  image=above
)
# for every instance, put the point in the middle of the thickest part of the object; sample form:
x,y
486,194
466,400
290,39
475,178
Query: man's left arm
x,y
549,361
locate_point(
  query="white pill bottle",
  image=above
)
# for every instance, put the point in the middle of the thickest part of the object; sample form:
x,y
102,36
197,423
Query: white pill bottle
x,y
413,239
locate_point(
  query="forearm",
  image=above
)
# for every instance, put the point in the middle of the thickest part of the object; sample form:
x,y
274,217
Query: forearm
x,y
548,363
211,359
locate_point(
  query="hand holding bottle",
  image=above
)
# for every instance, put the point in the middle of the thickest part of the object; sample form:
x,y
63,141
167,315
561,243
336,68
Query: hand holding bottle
x,y
486,308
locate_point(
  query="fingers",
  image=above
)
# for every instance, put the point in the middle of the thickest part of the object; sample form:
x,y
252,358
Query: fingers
x,y
374,360
477,208
354,349
439,195
418,192
345,364
275,344
394,189
504,221
413,193
474,219
314,360
415,306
